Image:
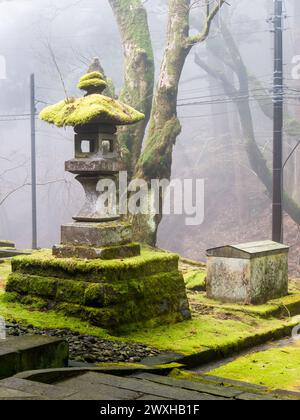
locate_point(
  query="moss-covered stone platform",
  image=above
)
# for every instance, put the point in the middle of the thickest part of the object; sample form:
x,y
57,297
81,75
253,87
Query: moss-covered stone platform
x,y
115,294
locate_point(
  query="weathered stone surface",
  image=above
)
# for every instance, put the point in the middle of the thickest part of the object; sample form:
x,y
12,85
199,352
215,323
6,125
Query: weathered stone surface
x,y
217,390
96,235
249,274
19,354
8,394
35,389
90,253
103,384
146,387
89,387
99,166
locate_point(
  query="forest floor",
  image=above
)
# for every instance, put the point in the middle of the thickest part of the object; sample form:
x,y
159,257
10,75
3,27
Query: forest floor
x,y
215,332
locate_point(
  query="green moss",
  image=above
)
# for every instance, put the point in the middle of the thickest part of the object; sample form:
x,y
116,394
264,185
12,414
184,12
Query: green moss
x,y
5,270
115,294
122,365
157,154
90,109
275,368
212,332
11,297
195,280
44,264
279,308
92,80
91,83
204,335
18,284
34,302
99,296
46,319
70,291
118,252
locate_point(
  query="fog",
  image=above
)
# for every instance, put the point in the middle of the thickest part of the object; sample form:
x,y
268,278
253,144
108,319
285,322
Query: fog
x,y
210,147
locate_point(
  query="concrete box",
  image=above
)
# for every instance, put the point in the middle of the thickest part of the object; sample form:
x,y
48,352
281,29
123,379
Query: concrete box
x,y
251,273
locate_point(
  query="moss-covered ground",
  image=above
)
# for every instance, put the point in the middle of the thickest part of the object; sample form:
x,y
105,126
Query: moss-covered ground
x,y
195,280
214,331
276,368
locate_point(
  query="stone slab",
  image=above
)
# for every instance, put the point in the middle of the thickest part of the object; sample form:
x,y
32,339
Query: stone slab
x,y
100,166
247,396
147,387
91,253
8,394
50,392
96,235
19,354
217,390
96,384
89,387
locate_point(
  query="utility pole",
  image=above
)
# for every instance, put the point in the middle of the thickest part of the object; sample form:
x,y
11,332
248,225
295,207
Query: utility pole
x,y
277,222
33,162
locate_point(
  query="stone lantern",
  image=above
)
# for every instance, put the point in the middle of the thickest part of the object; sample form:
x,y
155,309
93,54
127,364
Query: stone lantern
x,y
95,118
97,273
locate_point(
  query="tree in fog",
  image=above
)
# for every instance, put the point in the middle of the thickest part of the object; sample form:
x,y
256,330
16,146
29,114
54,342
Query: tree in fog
x,y
227,52
159,104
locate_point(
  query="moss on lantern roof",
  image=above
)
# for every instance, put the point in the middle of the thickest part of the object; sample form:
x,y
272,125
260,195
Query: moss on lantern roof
x,y
92,80
90,109
94,108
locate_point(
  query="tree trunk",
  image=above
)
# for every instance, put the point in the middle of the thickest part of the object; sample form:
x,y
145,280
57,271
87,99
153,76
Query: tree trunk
x,y
138,86
156,159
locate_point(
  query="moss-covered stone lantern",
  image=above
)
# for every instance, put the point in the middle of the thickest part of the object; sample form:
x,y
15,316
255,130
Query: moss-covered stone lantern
x,y
95,118
97,273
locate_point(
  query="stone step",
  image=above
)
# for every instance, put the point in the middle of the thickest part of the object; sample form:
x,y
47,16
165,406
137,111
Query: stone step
x,y
18,354
14,394
36,389
95,385
217,390
103,386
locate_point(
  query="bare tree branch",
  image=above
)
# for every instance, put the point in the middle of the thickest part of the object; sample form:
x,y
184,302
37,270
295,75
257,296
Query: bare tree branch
x,y
201,36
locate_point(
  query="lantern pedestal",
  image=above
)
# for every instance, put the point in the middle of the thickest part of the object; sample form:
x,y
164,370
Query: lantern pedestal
x,y
97,273
113,294
96,240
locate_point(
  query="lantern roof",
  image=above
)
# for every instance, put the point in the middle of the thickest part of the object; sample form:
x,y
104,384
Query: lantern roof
x,y
93,108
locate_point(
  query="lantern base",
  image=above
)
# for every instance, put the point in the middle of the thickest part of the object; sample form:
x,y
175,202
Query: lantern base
x,y
96,235
117,295
90,253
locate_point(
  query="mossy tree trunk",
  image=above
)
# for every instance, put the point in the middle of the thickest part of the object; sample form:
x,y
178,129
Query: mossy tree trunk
x,y
156,160
138,86
231,56
161,107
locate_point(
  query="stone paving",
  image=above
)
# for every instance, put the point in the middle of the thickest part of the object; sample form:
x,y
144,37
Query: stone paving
x,y
93,385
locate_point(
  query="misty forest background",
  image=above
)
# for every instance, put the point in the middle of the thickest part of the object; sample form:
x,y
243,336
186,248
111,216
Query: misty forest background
x,y
212,141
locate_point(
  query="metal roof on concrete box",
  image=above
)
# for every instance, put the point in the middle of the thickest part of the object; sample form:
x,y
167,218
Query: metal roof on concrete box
x,y
248,250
